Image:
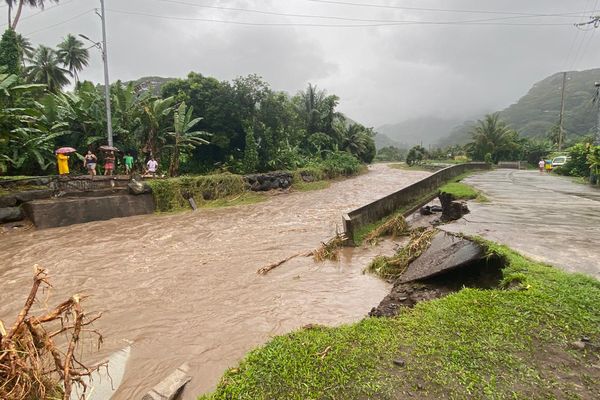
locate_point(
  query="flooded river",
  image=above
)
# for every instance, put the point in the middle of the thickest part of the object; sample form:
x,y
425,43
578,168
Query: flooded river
x,y
183,287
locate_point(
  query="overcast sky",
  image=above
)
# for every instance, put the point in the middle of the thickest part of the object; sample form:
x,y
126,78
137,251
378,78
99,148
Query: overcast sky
x,y
383,74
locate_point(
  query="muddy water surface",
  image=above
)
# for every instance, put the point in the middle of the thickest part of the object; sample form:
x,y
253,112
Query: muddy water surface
x,y
184,288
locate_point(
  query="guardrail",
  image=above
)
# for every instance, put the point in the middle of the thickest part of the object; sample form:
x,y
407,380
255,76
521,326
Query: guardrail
x,y
513,164
406,199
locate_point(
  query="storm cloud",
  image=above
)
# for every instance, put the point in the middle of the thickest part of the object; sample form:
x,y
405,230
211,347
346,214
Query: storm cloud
x,y
442,63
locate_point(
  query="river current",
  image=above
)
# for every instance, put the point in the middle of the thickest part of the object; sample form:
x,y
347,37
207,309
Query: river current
x,y
183,287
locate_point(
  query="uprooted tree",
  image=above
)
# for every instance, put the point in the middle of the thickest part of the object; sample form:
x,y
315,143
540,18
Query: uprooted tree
x,y
38,354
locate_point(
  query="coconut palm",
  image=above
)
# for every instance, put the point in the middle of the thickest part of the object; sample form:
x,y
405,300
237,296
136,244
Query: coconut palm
x,y
182,137
72,53
45,68
25,48
19,4
491,136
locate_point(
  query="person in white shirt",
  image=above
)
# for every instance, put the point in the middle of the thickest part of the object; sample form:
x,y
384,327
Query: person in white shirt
x,y
152,165
542,165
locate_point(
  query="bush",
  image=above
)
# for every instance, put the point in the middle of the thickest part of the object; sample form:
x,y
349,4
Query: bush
x,y
416,155
340,163
577,165
173,194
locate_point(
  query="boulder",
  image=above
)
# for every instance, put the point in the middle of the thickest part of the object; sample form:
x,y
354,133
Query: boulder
x,y
451,209
10,214
30,195
136,187
8,201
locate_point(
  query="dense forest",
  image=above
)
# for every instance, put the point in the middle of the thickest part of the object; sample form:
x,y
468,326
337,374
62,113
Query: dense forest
x,y
192,125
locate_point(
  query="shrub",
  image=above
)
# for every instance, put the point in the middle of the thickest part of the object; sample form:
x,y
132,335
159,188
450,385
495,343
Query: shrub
x,y
173,194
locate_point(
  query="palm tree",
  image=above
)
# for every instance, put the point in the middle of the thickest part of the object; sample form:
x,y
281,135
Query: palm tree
x,y
183,137
20,4
72,53
45,68
491,136
25,48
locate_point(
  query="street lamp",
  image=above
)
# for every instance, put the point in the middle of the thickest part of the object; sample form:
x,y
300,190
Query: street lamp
x,y
102,47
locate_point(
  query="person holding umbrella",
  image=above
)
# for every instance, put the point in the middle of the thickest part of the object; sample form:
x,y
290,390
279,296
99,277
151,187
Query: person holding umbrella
x,y
62,159
109,162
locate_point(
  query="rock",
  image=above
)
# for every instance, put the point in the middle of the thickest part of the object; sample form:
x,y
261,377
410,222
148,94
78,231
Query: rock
x,y
10,214
136,187
452,210
30,195
445,253
585,339
399,362
8,201
268,181
578,345
426,210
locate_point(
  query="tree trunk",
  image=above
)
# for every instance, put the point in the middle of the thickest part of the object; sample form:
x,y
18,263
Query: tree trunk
x,y
18,15
174,164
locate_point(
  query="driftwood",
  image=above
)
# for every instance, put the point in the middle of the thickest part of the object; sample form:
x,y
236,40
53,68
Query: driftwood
x,y
32,365
264,270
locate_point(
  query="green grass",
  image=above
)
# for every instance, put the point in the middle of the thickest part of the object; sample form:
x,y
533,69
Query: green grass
x,y
462,191
473,344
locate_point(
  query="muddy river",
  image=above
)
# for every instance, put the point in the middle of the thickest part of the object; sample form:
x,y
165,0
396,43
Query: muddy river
x,y
183,287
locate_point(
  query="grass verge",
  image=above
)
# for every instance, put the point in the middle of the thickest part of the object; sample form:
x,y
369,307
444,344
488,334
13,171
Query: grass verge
x,y
480,344
462,191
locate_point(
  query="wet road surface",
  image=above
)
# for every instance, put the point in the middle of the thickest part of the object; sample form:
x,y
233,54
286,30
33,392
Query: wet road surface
x,y
183,287
546,217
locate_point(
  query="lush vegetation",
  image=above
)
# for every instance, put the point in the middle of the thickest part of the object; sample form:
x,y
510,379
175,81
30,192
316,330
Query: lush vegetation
x,y
508,343
194,125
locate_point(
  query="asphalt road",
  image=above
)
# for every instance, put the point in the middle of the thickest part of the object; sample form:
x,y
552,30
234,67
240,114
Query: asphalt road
x,y
548,218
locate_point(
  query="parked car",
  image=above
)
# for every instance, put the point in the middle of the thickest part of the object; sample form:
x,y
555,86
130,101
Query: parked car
x,y
558,161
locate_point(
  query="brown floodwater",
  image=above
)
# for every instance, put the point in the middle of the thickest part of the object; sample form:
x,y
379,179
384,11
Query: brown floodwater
x,y
183,287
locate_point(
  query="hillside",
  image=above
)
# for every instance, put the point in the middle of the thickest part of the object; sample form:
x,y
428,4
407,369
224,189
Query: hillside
x,y
383,140
151,83
425,130
538,111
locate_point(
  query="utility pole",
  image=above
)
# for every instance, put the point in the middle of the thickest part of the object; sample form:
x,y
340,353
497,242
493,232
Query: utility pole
x,y
106,80
597,100
561,132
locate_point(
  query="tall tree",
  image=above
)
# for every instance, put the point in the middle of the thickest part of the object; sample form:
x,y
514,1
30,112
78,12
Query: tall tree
x,y
26,50
492,136
10,55
72,53
46,68
19,4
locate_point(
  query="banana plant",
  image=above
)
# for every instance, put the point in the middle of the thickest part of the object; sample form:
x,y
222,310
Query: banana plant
x,y
183,138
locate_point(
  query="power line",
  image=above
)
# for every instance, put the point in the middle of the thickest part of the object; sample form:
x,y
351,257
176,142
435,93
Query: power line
x,y
369,5
263,12
366,25
60,23
39,12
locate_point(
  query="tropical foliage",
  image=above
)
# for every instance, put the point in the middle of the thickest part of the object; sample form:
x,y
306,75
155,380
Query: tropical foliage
x,y
193,125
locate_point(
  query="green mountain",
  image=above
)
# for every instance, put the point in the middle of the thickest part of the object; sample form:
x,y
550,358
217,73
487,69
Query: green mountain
x,y
383,140
538,111
425,130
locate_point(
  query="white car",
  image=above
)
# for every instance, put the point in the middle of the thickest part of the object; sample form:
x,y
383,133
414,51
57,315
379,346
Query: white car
x,y
558,161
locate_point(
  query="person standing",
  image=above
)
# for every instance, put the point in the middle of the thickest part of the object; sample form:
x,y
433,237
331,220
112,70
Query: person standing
x,y
541,166
63,164
152,165
128,160
89,161
109,163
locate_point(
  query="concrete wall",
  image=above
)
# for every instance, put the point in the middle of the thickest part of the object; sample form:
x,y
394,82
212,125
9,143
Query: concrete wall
x,y
68,211
512,164
408,197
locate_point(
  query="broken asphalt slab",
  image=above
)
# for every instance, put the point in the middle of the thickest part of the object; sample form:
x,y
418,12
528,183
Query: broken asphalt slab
x,y
446,252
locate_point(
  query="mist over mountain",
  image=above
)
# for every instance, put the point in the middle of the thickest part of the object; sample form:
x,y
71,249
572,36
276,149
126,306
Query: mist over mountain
x,y
423,130
534,114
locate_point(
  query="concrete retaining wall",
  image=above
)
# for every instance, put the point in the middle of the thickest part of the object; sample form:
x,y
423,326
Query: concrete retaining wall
x,y
408,197
512,164
68,211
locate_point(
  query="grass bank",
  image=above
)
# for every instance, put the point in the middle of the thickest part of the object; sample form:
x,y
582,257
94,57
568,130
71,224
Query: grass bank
x,y
462,191
481,344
